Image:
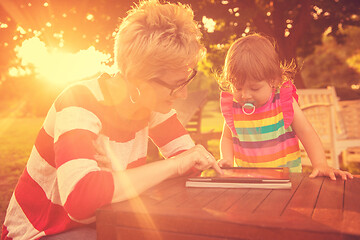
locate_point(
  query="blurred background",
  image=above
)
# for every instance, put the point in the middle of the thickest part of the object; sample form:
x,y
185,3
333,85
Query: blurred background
x,y
47,44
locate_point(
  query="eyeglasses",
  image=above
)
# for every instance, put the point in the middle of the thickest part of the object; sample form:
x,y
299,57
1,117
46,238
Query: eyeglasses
x,y
176,88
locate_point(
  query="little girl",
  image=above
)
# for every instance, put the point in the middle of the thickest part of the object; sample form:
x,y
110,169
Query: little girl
x,y
263,120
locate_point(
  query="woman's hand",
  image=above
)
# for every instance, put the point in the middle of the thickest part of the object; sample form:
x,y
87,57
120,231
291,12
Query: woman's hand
x,y
226,162
330,172
103,161
197,157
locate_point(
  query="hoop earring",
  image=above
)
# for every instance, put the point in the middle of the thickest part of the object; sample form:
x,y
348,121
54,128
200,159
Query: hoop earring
x,y
131,99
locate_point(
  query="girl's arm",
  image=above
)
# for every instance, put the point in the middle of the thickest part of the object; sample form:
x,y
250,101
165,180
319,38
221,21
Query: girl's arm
x,y
226,148
313,146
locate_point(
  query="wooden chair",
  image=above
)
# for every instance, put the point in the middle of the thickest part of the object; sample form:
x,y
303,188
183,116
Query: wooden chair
x,y
351,154
189,113
350,120
325,113
322,119
189,110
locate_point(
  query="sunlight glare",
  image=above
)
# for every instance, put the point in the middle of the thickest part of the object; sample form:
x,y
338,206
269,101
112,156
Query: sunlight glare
x,y
59,66
286,33
21,30
90,17
209,24
3,25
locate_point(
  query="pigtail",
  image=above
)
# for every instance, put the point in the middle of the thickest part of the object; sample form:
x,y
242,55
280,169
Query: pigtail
x,y
288,71
223,81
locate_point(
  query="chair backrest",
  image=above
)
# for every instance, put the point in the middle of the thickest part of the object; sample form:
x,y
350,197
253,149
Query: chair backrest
x,y
189,110
323,96
350,116
321,118
311,96
319,106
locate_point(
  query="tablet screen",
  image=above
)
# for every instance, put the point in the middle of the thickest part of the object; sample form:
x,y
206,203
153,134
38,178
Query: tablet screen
x,y
247,173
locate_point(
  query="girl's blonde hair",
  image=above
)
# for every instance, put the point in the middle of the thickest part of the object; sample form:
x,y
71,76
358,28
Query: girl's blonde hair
x,y
254,58
155,37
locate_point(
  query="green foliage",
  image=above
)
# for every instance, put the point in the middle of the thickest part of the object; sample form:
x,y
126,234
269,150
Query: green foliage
x,y
303,20
296,25
354,62
329,64
206,80
353,47
327,69
27,96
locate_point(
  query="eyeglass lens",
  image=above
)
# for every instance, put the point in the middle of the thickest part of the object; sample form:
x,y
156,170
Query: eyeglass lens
x,y
181,86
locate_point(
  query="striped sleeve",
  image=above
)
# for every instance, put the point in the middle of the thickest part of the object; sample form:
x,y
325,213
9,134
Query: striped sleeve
x,y
169,134
83,186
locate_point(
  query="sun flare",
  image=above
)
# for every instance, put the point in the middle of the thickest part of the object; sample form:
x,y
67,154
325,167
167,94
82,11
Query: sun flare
x,y
58,66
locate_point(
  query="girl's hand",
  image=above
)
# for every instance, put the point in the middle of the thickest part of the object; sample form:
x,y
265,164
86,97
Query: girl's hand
x,y
225,162
330,172
197,157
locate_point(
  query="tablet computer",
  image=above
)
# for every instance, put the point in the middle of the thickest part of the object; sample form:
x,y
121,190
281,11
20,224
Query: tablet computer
x,y
237,177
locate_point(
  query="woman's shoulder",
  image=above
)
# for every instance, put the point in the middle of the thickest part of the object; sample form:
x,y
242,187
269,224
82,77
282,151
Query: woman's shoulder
x,y
81,95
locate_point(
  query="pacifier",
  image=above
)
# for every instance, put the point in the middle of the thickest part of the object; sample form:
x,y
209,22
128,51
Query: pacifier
x,y
247,106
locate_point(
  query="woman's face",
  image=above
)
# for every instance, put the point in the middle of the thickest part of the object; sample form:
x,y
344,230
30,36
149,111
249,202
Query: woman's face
x,y
255,92
160,93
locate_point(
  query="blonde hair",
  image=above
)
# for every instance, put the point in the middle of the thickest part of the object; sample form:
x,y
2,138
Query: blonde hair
x,y
155,37
254,58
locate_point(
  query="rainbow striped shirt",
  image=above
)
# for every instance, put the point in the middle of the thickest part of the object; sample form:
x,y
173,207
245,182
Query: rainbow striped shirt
x,y
264,138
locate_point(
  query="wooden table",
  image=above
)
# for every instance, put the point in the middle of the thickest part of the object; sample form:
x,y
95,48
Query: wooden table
x,y
313,209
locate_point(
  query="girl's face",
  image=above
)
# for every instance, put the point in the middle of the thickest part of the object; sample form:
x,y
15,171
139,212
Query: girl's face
x,y
255,92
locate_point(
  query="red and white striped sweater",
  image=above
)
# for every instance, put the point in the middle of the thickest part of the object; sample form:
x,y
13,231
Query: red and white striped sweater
x,y
63,184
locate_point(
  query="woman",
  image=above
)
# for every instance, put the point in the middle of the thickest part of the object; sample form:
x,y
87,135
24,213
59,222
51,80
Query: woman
x,y
92,147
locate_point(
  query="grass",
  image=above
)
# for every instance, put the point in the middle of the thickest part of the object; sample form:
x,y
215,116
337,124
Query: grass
x,y
17,136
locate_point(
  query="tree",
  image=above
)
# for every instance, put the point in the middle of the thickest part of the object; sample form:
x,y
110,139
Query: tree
x,y
66,25
325,67
333,63
296,25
